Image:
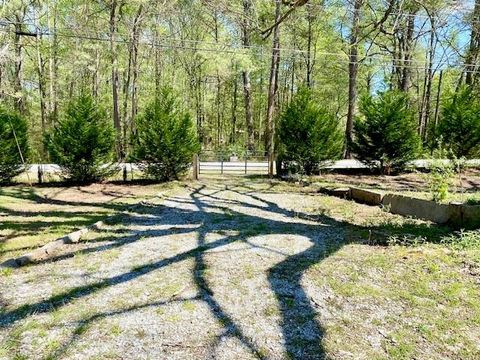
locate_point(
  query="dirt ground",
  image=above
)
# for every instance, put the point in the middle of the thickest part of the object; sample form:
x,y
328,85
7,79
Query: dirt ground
x,y
246,269
416,181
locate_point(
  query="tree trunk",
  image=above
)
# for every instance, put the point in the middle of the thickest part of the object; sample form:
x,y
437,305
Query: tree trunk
x,y
273,85
130,78
247,88
19,104
406,53
233,136
114,61
427,85
352,77
437,100
41,85
95,77
472,58
157,61
53,68
134,106
309,51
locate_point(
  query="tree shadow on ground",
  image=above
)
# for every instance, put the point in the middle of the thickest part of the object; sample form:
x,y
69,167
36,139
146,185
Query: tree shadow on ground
x,y
302,333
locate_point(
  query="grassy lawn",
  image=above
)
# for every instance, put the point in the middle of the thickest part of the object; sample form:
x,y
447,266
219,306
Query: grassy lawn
x,y
33,216
245,269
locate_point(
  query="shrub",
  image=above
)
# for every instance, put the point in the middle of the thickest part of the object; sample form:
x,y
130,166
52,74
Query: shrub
x,y
166,139
460,123
82,142
13,129
386,134
440,179
307,134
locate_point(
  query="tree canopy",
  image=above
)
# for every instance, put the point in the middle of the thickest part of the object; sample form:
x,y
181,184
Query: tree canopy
x,y
235,64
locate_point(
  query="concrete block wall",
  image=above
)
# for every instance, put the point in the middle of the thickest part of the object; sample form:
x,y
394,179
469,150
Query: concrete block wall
x,y
455,214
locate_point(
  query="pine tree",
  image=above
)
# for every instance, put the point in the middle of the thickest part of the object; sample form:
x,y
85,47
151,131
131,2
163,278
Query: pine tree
x,y
82,143
460,123
386,132
166,139
13,144
308,134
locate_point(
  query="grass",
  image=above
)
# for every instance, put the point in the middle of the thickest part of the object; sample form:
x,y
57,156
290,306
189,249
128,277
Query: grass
x,y
392,288
33,216
412,294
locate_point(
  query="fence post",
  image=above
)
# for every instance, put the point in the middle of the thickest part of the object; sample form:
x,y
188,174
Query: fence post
x,y
40,173
221,164
195,167
246,163
270,165
124,172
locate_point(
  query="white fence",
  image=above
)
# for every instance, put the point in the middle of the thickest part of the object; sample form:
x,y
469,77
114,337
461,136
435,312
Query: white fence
x,y
252,165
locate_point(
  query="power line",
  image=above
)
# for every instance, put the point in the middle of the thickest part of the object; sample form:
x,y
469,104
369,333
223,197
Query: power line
x,y
228,48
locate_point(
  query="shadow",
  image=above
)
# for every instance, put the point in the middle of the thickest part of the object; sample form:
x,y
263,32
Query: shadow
x,y
208,209
27,220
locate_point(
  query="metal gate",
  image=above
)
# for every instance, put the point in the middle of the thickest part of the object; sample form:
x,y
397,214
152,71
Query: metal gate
x,y
216,162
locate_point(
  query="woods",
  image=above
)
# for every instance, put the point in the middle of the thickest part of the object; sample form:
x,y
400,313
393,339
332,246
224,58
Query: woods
x,y
235,65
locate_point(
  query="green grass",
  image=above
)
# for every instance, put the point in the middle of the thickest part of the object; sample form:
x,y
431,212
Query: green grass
x,y
425,290
33,216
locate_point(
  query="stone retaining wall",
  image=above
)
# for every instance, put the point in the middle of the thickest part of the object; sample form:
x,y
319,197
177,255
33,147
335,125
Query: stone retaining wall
x,y
455,214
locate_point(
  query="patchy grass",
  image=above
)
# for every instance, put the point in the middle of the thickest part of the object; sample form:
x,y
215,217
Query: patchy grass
x,y
33,216
251,269
413,302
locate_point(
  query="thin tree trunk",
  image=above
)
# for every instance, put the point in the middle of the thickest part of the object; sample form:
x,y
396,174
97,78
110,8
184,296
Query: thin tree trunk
x,y
95,78
437,101
53,68
273,85
134,107
406,71
157,61
17,81
352,77
427,88
41,85
247,87
113,51
233,136
471,60
309,51
130,74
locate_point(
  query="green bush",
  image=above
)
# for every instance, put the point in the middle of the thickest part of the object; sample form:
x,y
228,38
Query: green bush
x,y
82,142
460,123
307,134
386,132
166,139
13,129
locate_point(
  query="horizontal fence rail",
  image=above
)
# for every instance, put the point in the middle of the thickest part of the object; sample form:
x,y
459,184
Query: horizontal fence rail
x,y
224,163
211,162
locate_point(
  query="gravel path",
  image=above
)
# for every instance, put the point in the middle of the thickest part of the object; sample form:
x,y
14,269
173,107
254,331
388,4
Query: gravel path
x,y
216,270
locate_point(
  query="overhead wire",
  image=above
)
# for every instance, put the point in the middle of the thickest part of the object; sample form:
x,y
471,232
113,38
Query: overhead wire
x,y
226,48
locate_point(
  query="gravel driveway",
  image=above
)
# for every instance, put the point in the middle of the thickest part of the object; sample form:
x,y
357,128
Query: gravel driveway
x,y
215,270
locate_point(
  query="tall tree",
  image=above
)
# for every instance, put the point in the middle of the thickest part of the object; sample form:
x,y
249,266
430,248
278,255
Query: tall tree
x,y
114,10
473,54
352,75
273,82
247,87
